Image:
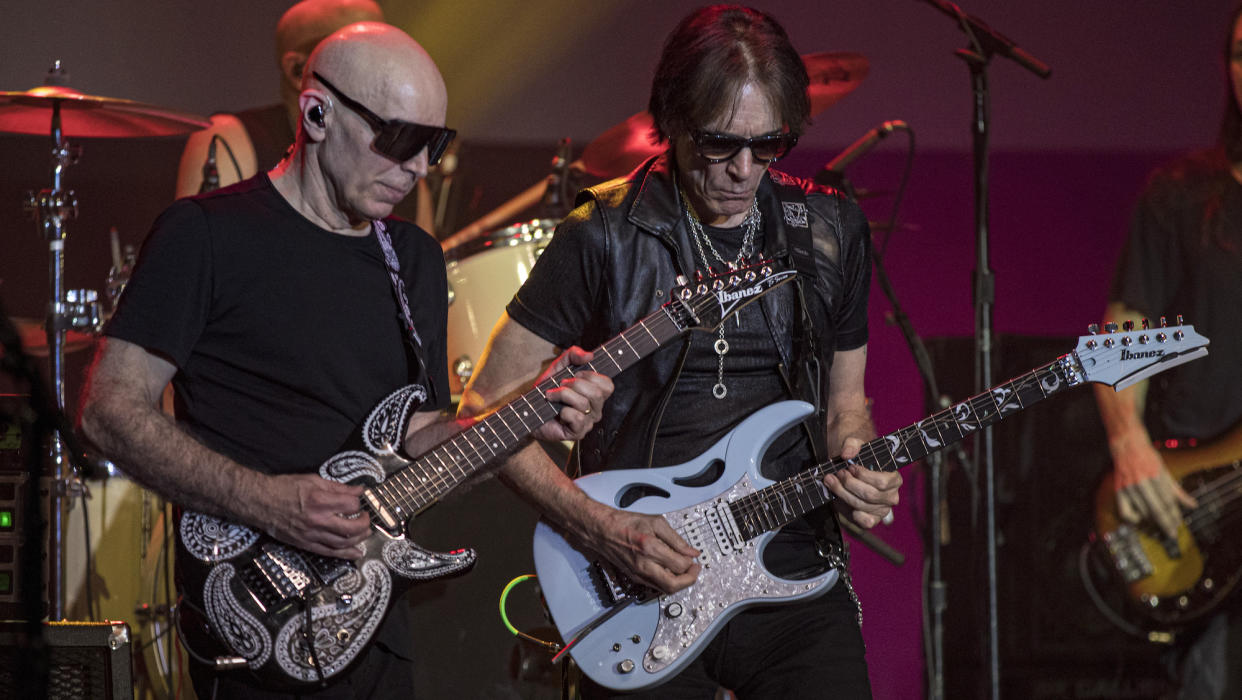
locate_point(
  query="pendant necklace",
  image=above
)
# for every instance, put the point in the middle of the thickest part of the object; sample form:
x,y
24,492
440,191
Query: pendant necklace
x,y
703,244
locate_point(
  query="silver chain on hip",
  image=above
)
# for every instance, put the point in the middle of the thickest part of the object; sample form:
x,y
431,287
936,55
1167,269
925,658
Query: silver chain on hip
x,y
754,219
838,562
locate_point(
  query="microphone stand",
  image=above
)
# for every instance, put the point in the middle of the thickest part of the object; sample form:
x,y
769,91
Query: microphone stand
x,y
936,585
985,43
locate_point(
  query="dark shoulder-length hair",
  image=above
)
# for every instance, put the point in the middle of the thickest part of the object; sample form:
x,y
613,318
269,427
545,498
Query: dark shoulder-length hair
x,y
707,59
1231,125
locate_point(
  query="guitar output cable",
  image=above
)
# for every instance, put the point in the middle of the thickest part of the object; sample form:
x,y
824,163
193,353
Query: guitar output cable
x,y
552,647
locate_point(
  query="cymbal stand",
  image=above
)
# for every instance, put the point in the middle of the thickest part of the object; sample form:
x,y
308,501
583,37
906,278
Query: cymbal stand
x,y
77,309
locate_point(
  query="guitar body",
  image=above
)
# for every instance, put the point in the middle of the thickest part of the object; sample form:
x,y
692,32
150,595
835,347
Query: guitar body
x,y
627,637
268,602
297,619
636,639
1170,585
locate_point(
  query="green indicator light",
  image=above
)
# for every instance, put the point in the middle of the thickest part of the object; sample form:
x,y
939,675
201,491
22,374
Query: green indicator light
x,y
6,519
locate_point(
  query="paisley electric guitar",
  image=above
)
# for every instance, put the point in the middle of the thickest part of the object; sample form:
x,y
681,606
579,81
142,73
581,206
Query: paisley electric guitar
x,y
626,637
1171,583
296,618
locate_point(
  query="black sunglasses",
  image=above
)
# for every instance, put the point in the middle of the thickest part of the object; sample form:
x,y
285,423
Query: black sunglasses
x,y
717,148
397,139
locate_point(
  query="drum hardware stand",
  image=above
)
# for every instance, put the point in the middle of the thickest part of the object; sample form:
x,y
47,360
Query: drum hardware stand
x,y
985,43
77,309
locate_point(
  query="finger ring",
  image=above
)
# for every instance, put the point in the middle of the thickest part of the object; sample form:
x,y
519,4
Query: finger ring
x,y
587,412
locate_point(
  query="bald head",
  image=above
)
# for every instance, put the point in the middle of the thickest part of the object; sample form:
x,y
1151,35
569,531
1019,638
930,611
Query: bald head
x,y
384,68
307,23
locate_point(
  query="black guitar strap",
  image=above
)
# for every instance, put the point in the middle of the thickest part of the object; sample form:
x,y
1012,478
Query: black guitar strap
x,y
806,380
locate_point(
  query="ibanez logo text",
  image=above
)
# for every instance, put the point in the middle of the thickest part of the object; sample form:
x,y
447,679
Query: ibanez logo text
x,y
726,297
1144,355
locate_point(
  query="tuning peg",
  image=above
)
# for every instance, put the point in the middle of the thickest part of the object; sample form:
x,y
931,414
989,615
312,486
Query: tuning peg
x,y
1127,326
1093,328
1163,322
1110,327
681,281
1179,319
1146,324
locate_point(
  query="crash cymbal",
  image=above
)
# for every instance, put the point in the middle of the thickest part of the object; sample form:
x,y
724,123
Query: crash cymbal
x,y
34,338
617,151
834,74
90,116
620,149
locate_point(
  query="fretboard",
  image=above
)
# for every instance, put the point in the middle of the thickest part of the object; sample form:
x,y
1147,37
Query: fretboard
x,y
431,476
785,501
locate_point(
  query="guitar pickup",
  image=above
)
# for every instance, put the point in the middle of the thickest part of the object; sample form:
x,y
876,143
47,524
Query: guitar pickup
x,y
285,570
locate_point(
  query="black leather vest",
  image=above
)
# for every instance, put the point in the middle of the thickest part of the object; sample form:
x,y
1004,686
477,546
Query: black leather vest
x,y
647,246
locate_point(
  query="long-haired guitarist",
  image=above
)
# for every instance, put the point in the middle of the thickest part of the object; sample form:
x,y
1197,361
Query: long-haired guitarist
x,y
283,309
1184,255
729,98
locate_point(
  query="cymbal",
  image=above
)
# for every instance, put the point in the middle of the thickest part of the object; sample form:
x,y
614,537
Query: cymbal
x,y
90,116
620,149
34,338
834,74
617,151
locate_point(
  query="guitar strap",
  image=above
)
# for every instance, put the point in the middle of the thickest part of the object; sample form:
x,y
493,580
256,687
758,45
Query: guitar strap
x,y
398,290
808,384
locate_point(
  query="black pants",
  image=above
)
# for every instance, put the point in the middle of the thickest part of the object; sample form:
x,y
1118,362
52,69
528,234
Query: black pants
x,y
810,649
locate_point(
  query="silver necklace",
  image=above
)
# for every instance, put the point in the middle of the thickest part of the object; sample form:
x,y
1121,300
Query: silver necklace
x,y
753,221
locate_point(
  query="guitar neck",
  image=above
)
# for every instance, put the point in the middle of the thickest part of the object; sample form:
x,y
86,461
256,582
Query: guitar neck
x,y
785,501
431,476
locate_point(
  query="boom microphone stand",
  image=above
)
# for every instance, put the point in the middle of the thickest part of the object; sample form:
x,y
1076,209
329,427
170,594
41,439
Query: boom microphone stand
x,y
985,43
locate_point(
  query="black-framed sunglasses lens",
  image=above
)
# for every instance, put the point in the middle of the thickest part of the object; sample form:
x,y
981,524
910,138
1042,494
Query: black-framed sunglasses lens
x,y
403,140
718,148
395,138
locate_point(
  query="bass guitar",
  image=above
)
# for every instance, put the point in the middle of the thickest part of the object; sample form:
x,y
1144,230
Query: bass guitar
x,y
1171,583
627,637
295,618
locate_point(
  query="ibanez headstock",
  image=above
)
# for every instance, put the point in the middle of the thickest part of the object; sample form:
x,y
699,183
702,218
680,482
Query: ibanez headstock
x,y
707,302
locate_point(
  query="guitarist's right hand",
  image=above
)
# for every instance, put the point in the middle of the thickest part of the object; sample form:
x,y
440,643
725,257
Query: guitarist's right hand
x,y
313,513
646,547
1146,491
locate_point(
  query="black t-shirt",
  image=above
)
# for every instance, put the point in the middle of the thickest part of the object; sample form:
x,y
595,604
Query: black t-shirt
x,y
1184,256
284,335
750,379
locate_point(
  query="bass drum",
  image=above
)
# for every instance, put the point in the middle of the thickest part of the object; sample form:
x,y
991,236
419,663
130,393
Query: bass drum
x,y
131,540
483,275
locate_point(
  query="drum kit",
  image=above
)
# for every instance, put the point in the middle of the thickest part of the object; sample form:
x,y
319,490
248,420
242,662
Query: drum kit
x,y
487,261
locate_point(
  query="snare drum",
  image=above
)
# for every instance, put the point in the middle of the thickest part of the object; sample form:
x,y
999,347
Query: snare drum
x,y
483,275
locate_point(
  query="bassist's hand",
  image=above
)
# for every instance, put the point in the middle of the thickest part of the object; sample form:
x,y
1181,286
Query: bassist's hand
x,y
314,514
1146,491
647,548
